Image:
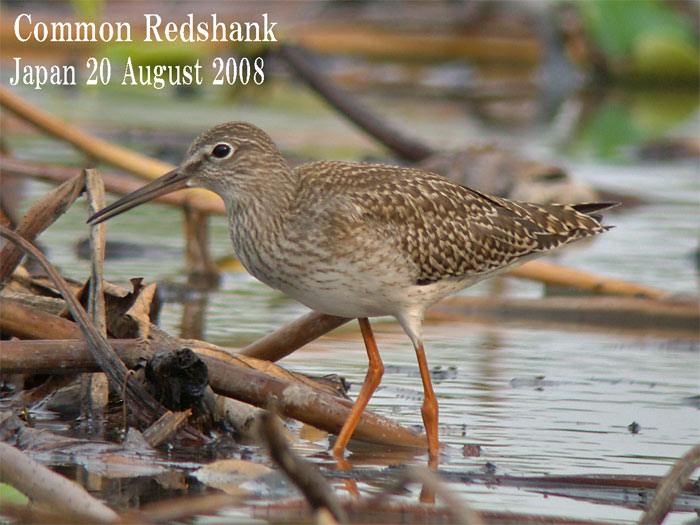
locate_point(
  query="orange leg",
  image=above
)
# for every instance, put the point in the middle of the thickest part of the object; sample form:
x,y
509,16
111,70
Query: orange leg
x,y
372,379
429,410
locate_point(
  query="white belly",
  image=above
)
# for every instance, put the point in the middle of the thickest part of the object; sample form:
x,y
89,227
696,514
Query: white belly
x,y
367,294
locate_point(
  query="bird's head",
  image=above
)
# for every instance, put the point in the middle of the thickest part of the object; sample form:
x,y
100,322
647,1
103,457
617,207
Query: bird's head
x,y
234,160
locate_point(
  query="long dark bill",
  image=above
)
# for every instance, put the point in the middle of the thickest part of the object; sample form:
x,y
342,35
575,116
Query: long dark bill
x,y
171,181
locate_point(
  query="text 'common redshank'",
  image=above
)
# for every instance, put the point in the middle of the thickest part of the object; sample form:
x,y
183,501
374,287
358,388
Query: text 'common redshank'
x,y
361,240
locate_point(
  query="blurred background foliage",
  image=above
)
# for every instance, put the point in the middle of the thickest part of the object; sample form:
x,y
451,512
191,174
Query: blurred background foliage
x,y
643,40
631,68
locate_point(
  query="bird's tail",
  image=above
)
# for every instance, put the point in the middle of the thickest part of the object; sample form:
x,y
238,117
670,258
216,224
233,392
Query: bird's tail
x,y
591,208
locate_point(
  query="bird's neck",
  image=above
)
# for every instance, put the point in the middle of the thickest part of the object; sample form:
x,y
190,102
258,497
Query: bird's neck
x,y
259,222
265,205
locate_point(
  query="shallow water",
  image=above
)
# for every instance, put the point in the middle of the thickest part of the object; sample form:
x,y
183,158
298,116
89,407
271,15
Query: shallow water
x,y
538,399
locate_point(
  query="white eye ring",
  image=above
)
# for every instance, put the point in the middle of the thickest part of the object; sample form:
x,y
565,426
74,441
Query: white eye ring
x,y
222,151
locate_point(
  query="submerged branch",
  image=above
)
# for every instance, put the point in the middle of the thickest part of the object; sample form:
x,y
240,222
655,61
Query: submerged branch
x,y
45,486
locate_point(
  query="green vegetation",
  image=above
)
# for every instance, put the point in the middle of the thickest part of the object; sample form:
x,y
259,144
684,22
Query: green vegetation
x,y
643,39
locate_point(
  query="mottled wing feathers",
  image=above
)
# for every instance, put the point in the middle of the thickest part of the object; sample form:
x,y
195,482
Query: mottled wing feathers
x,y
441,228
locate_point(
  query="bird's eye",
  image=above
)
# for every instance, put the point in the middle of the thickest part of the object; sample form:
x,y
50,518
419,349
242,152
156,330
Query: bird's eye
x,y
221,151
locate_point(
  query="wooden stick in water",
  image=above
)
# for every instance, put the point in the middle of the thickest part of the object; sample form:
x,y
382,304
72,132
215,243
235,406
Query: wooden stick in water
x,y
95,148
94,387
42,214
548,273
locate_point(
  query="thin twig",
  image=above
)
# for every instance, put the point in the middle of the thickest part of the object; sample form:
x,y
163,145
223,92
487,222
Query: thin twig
x,y
166,427
40,216
670,487
303,474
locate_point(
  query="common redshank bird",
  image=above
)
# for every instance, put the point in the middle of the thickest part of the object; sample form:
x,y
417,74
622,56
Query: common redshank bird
x,y
361,240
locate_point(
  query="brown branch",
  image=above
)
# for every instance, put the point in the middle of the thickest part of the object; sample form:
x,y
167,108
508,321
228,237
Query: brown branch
x,y
680,318
351,108
96,148
379,42
26,322
166,427
122,158
285,340
202,272
119,184
137,397
670,487
305,404
62,336
45,486
304,474
296,398
95,387
68,356
548,273
40,216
